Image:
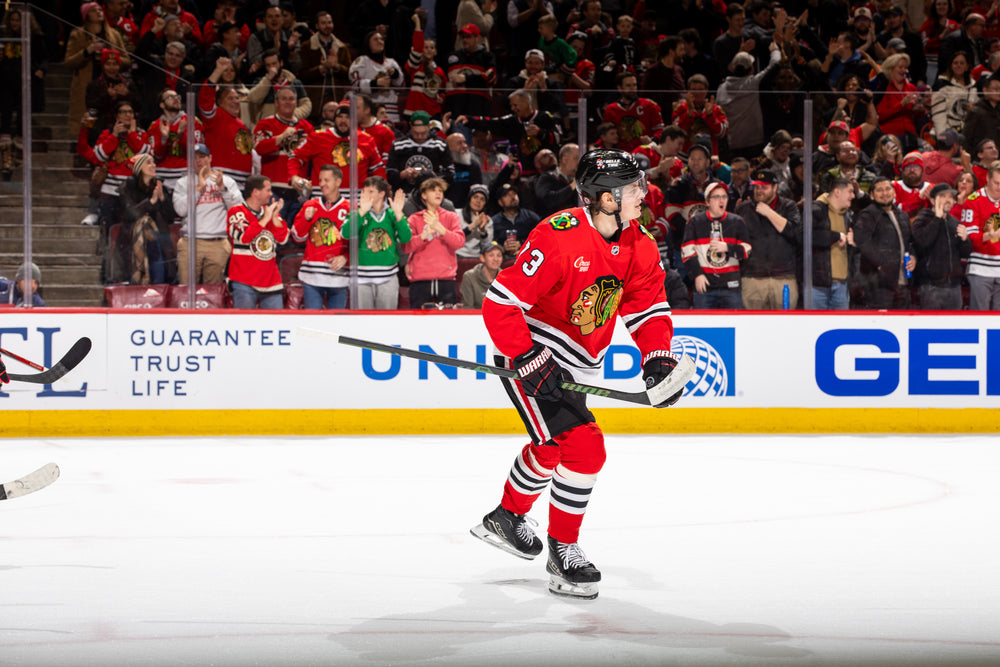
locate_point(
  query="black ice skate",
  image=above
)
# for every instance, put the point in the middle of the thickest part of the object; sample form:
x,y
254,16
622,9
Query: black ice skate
x,y
570,573
510,532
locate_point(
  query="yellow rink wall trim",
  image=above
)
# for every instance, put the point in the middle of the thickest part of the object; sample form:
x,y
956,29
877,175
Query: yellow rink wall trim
x,y
90,423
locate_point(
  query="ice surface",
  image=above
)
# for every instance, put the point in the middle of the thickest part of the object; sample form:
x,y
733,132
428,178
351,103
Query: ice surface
x,y
740,550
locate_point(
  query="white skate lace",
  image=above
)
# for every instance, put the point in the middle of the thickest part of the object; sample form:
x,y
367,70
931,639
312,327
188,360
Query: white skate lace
x,y
572,556
524,532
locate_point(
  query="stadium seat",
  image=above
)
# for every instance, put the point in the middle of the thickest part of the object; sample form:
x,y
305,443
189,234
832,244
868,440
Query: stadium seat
x,y
136,296
211,295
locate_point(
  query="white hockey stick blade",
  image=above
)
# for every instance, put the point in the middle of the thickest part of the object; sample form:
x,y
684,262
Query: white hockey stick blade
x,y
678,378
39,479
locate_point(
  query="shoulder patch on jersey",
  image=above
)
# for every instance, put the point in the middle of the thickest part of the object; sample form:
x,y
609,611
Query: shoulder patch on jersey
x,y
563,221
974,196
647,233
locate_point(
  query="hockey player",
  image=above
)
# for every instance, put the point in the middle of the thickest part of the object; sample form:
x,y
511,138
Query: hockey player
x,y
551,316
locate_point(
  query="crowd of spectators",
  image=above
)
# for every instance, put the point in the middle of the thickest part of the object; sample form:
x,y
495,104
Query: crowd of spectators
x,y
470,132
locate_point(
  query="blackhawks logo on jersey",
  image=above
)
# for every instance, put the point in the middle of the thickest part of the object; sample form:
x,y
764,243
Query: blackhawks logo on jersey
x,y
596,304
378,240
563,221
263,246
630,129
324,233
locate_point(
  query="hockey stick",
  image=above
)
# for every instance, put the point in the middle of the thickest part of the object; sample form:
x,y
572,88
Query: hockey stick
x,y
39,479
682,374
69,361
37,367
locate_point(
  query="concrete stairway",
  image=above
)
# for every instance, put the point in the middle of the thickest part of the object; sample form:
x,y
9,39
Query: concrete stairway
x,y
63,249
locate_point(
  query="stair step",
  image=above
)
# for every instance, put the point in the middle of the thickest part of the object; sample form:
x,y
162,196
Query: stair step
x,y
54,228
49,245
94,294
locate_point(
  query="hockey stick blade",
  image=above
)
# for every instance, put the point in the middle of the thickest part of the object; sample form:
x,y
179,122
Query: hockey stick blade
x,y
76,354
627,396
39,479
675,382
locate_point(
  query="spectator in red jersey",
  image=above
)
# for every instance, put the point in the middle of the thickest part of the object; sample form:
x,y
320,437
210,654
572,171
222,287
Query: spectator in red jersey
x,y
275,139
120,18
912,189
168,135
115,147
319,225
226,136
980,215
332,146
898,100
437,235
699,114
638,118
427,79
255,231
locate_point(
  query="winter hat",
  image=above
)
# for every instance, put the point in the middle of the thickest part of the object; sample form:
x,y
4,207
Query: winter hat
x,y
86,7
480,189
712,186
139,160
110,53
913,157
940,189
36,273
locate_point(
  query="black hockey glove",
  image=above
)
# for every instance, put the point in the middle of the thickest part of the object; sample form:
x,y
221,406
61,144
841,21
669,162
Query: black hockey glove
x,y
656,370
3,374
540,373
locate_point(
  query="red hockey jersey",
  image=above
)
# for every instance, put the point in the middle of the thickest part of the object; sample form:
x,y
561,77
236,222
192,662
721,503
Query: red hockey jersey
x,y
252,261
171,153
227,138
566,286
638,119
116,155
911,200
981,214
274,156
321,233
328,147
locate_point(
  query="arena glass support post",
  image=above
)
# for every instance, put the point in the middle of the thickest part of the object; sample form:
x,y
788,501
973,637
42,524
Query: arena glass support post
x,y
26,162
581,125
192,200
352,169
807,219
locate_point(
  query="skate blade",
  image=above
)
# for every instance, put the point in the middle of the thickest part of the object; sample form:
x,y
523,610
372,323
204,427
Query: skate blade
x,y
567,589
495,541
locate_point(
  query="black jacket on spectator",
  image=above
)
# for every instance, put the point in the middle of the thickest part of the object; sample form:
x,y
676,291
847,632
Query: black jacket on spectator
x,y
822,240
774,253
553,193
981,122
878,244
914,49
960,41
938,249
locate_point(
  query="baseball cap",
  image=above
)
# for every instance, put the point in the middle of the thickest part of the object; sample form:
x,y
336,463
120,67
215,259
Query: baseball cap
x,y
536,53
202,148
764,177
895,11
948,138
896,43
700,147
469,29
913,157
36,273
863,12
940,189
343,107
420,119
492,245
838,125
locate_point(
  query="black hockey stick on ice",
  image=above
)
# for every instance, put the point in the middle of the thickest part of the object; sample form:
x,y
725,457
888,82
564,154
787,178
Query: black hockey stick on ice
x,y
632,397
39,479
69,361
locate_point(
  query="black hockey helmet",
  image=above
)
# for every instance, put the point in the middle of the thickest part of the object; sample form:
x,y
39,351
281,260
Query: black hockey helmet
x,y
607,170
